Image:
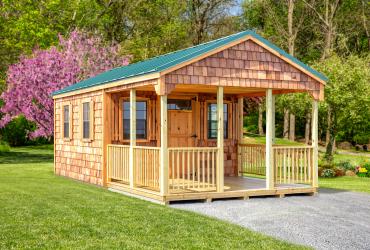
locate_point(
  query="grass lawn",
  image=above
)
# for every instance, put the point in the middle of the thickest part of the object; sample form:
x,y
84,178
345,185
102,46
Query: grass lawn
x,y
256,139
357,184
41,210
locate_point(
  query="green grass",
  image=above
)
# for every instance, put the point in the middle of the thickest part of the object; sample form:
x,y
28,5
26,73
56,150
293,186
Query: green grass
x,y
41,210
354,159
352,183
256,139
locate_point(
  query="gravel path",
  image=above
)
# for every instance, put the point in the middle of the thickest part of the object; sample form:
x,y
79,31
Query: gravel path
x,y
333,219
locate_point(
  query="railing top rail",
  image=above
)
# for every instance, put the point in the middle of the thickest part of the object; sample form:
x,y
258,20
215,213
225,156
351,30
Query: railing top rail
x,y
193,148
276,146
252,144
118,145
146,147
292,147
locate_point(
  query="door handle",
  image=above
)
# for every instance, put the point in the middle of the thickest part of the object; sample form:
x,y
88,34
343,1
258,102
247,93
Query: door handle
x,y
194,136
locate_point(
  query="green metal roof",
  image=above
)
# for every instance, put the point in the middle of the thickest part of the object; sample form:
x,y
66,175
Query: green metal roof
x,y
166,61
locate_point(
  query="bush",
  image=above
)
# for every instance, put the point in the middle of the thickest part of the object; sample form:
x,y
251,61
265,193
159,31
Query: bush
x,y
15,133
364,170
4,147
328,173
339,171
346,165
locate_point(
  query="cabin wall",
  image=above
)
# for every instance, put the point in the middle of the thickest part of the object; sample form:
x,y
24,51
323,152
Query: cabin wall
x,y
76,158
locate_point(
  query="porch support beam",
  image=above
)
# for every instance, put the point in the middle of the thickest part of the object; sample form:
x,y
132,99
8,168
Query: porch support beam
x,y
315,117
240,133
132,135
269,154
220,138
164,149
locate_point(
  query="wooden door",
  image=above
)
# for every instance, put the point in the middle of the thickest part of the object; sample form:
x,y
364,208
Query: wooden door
x,y
180,128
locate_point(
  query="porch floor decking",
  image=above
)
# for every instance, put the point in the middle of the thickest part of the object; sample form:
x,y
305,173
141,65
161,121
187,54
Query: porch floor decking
x,y
246,183
235,187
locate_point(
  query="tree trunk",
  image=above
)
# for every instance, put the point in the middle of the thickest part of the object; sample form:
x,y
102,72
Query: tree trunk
x,y
330,146
260,119
286,124
291,37
307,128
328,120
292,127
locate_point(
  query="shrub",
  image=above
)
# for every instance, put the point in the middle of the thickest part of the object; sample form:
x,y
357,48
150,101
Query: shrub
x,y
364,170
339,171
346,165
16,132
4,147
328,173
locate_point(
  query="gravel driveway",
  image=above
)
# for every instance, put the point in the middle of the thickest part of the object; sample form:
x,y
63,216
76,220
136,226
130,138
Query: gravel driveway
x,y
333,219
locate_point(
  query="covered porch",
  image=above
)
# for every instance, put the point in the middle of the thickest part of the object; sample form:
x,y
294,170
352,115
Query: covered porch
x,y
184,158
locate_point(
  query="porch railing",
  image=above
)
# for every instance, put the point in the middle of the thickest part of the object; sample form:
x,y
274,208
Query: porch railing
x,y
118,163
146,167
192,169
293,164
253,158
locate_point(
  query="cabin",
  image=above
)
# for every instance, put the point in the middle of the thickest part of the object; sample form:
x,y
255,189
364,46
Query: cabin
x,y
171,127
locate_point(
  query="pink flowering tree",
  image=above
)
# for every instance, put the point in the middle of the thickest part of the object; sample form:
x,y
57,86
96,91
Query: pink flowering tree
x,y
33,79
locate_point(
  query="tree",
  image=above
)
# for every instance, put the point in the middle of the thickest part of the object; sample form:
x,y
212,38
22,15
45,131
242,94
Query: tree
x,y
347,95
206,17
32,81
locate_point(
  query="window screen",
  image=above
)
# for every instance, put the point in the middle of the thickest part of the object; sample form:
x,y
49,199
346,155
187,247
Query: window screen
x,y
212,121
66,121
141,120
86,120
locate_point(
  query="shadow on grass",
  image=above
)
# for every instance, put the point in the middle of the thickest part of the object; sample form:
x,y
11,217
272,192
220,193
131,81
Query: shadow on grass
x,y
16,157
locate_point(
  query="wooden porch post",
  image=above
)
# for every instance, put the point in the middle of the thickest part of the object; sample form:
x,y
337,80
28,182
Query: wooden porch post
x,y
163,150
132,135
107,133
240,135
220,138
273,119
315,116
269,153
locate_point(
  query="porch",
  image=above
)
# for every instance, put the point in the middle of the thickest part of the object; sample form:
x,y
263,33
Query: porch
x,y
187,165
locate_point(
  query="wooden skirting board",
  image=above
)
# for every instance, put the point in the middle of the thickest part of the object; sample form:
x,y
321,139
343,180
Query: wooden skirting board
x,y
209,196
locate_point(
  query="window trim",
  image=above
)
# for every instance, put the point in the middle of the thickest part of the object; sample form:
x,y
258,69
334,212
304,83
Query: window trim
x,y
120,118
70,127
91,120
208,102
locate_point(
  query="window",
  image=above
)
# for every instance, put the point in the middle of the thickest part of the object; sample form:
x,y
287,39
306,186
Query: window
x,y
86,120
66,121
212,121
173,104
141,118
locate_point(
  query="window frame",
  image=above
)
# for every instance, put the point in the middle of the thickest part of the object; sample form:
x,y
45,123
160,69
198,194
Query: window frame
x,y
70,125
91,120
227,103
120,117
